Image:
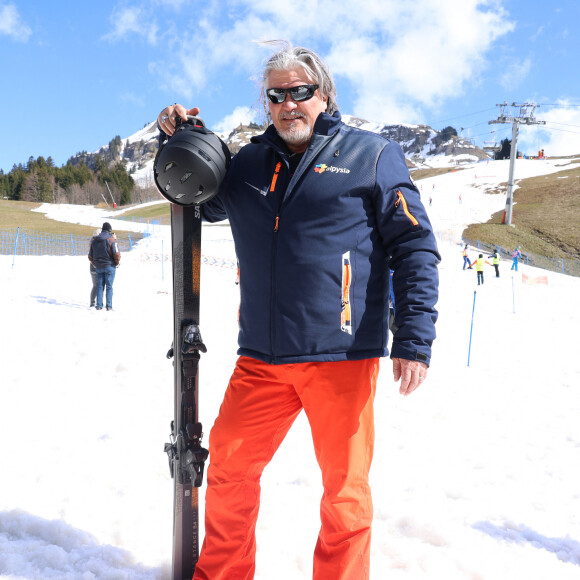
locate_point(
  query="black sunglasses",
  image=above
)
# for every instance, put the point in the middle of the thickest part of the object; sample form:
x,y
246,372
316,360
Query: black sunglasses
x,y
298,94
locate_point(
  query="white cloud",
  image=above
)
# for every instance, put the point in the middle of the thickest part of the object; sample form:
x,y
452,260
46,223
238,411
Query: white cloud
x,y
12,25
422,54
559,137
173,4
133,20
538,33
132,99
398,59
200,55
516,74
374,100
244,115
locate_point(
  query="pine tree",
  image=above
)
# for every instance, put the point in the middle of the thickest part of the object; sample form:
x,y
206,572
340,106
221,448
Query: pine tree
x,y
16,182
505,151
38,186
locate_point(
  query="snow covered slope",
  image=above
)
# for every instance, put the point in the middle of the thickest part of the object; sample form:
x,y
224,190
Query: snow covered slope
x,y
474,477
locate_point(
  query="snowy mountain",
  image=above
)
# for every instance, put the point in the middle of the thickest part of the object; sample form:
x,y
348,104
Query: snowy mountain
x,y
422,146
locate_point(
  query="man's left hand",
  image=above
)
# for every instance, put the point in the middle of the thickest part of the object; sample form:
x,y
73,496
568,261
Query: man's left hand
x,y
411,372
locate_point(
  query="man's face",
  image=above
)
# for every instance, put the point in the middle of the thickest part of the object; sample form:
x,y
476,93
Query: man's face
x,y
293,120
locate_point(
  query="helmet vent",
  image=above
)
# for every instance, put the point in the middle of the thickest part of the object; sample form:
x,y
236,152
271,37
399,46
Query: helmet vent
x,y
204,155
185,177
170,165
199,191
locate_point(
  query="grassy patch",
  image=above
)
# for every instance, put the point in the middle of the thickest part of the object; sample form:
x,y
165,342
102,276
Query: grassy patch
x,y
14,214
546,216
417,174
160,211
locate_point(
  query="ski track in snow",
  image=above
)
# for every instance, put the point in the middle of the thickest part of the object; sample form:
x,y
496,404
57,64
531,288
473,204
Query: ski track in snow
x,y
474,476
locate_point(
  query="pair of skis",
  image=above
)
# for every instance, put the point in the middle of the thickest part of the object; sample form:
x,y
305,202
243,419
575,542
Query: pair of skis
x,y
186,455
188,171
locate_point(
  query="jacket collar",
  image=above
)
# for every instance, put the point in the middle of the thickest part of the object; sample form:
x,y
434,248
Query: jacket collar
x,y
325,124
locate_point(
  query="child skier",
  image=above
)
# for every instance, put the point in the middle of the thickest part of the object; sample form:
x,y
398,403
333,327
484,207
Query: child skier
x,y
517,255
479,268
466,260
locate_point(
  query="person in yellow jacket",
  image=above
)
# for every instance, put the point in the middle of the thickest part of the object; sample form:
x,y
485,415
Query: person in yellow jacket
x,y
479,269
495,262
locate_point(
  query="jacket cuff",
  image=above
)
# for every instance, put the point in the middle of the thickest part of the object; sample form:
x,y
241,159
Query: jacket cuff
x,y
410,353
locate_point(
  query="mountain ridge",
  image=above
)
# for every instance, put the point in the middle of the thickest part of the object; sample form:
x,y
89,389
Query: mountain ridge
x,y
422,146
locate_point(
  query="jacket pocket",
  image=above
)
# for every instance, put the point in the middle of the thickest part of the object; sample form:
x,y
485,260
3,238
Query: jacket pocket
x,y
402,201
345,307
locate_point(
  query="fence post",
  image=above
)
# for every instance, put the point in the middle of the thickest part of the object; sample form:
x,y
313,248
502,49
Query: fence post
x,y
32,243
15,245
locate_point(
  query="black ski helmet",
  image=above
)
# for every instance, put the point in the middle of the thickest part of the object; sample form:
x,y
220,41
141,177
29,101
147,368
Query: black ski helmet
x,y
190,167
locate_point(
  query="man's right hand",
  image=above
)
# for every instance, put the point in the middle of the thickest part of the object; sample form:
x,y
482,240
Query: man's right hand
x,y
166,119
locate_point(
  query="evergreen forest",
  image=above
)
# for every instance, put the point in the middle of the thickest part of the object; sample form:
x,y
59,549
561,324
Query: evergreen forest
x,y
40,180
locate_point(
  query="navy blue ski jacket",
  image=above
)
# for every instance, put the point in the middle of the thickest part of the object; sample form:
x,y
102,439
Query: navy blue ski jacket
x,y
315,248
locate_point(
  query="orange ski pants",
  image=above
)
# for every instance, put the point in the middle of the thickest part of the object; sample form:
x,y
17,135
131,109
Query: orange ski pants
x,y
260,405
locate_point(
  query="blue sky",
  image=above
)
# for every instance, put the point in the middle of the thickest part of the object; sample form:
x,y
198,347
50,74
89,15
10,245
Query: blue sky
x,y
74,75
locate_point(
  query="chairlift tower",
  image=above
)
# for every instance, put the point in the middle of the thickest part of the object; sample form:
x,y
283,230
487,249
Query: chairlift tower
x,y
526,117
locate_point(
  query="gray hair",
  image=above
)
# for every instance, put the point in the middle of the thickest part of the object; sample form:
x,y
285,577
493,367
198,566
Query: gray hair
x,y
291,57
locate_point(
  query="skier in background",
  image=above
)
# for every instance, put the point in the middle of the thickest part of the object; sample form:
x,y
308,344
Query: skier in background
x,y
479,269
517,255
466,260
105,256
317,210
495,261
93,271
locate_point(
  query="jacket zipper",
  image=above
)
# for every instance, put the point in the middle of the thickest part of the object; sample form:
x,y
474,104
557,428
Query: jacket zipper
x,y
275,176
401,198
274,251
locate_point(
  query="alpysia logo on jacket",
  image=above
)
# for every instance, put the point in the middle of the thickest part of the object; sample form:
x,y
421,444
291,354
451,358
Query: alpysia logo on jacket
x,y
322,167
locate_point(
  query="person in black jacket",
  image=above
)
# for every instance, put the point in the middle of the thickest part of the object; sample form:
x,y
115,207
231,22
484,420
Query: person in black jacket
x,y
319,211
93,272
105,256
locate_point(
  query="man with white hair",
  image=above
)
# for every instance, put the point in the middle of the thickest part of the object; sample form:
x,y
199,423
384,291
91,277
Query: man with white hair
x,y
320,212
